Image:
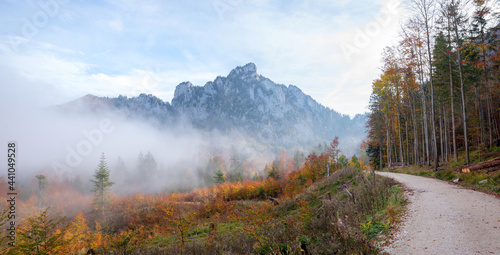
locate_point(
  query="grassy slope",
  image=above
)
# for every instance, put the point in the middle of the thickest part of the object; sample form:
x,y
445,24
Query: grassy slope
x,y
339,214
323,219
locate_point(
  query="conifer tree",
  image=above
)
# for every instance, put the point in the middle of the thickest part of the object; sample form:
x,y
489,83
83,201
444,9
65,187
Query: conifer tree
x,y
219,177
102,184
273,171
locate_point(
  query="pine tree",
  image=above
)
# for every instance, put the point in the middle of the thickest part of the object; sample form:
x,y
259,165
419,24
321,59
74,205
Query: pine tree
x,y
219,177
149,164
101,185
273,171
213,171
298,160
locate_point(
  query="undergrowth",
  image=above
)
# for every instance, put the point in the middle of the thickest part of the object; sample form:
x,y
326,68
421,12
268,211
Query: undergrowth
x,y
340,214
323,219
489,182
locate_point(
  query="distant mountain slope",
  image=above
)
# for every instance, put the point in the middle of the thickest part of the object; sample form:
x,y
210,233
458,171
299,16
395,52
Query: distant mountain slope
x,y
245,102
272,113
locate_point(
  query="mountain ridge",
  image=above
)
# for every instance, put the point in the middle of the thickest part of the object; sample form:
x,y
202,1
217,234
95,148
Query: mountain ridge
x,y
280,116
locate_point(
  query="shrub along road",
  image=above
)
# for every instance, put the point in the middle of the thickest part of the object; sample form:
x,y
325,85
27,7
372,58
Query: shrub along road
x,y
443,218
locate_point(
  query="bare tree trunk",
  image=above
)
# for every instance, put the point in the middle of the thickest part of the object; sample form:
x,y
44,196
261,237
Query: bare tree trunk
x,y
424,105
399,127
446,137
425,11
452,100
494,122
415,129
481,116
427,154
459,59
454,138
388,150
407,145
478,129
488,99
441,136
416,156
381,157
400,144
416,142
487,88
423,146
488,110
464,115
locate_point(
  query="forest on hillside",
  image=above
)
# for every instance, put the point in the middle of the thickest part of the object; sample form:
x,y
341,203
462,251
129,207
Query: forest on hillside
x,y
324,204
439,92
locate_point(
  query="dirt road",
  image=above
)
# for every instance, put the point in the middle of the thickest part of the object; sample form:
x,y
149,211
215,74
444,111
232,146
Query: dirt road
x,y
446,219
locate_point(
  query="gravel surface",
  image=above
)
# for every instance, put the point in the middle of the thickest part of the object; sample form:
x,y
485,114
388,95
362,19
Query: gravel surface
x,y
443,218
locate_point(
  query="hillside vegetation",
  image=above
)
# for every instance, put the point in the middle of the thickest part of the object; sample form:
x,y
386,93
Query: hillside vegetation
x,y
487,180
299,212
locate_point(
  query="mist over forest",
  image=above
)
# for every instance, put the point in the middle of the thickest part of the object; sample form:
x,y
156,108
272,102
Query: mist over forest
x,y
238,127
67,148
64,142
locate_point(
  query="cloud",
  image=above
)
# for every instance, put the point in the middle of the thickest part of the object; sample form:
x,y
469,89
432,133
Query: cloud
x,y
127,47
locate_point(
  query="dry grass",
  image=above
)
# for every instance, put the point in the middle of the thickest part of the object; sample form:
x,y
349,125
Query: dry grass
x,y
324,219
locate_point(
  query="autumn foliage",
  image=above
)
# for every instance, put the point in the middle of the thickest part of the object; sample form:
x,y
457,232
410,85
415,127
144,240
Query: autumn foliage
x,y
438,92
262,216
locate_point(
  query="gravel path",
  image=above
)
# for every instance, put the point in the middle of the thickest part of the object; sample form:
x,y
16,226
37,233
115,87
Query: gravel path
x,y
444,218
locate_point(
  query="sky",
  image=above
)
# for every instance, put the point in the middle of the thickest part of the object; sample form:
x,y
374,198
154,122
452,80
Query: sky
x,y
55,51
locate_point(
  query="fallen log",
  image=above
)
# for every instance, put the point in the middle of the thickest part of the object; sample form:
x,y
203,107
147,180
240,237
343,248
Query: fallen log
x,y
478,166
396,164
493,169
484,165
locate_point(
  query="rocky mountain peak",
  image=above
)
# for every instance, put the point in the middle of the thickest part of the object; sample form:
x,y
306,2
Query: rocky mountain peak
x,y
148,99
281,117
247,73
182,88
